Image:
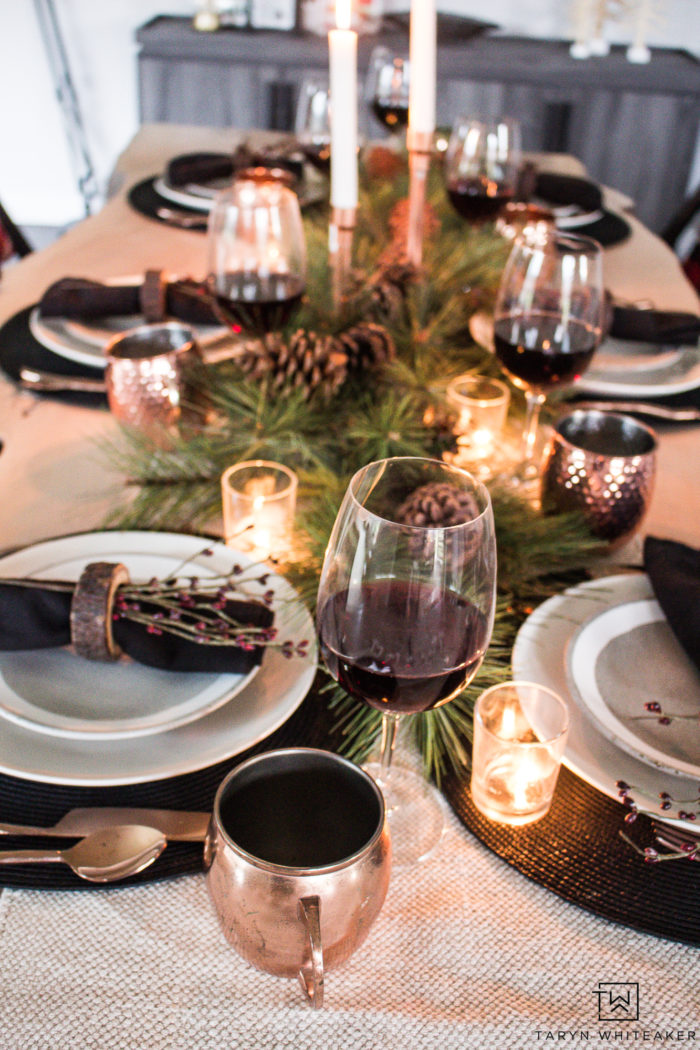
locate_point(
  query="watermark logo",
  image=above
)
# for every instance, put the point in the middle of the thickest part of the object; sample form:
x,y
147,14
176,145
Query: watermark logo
x,y
617,1001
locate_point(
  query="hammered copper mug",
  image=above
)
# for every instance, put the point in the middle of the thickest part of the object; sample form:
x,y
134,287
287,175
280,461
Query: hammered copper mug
x,y
601,464
298,861
150,378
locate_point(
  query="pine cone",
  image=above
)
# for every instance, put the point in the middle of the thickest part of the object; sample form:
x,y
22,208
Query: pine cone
x,y
308,362
367,345
388,284
438,505
398,224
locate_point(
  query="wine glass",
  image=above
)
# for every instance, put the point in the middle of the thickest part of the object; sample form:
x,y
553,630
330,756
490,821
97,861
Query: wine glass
x,y
312,124
405,611
548,319
482,166
256,253
387,89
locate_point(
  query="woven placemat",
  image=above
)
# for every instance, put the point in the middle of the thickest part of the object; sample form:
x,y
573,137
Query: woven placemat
x,y
145,199
31,802
577,852
19,349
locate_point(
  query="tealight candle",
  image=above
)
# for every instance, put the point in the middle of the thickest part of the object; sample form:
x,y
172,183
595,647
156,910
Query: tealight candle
x,y
258,499
520,731
480,405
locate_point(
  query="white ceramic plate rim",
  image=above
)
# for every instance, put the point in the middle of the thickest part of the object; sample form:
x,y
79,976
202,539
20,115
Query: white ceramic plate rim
x,y
540,654
53,333
262,705
208,691
583,652
182,197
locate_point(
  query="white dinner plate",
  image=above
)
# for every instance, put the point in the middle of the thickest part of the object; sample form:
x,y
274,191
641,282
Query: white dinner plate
x,y
540,655
200,201
622,659
621,367
624,368
228,715
83,342
68,339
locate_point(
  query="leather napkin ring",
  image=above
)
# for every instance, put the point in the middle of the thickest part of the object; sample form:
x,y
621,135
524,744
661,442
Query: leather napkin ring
x,y
152,296
91,610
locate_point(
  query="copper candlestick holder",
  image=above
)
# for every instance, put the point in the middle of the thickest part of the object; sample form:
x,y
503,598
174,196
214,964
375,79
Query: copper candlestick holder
x,y
420,148
340,236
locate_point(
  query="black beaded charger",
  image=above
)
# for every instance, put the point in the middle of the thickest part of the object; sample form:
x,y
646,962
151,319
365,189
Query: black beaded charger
x,y
145,199
42,805
577,852
19,349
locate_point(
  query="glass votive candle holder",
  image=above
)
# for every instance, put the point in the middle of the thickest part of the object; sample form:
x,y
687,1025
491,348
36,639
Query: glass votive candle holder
x,y
258,501
520,731
481,407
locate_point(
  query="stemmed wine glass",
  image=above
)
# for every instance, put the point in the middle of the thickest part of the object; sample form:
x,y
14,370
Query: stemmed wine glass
x,y
405,610
387,90
548,319
482,166
312,123
256,253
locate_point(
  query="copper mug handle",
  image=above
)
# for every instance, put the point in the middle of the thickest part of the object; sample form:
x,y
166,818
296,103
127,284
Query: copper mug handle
x,y
311,972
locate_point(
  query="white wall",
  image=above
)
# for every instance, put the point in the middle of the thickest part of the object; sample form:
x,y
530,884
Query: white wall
x,y
37,179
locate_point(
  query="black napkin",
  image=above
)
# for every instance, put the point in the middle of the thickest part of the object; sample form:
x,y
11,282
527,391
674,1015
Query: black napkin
x,y
558,190
79,297
655,326
204,168
38,618
198,168
674,571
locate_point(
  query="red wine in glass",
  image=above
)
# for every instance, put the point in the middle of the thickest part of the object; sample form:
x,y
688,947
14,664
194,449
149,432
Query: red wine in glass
x,y
543,352
391,113
371,648
258,304
478,199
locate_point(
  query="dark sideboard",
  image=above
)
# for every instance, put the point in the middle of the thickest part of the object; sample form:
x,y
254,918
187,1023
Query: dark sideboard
x,y
635,127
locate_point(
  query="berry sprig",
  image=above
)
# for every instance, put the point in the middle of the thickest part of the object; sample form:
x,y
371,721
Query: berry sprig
x,y
197,608
656,712
689,850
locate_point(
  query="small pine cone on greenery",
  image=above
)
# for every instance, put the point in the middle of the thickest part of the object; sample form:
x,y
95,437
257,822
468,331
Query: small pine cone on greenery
x,y
398,224
438,505
367,345
387,286
383,163
308,362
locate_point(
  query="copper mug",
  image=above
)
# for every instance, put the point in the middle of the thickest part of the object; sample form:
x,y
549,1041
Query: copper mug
x,y
298,859
601,464
150,377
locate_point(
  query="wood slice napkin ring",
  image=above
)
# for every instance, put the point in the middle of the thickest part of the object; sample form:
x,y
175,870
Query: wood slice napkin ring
x,y
91,610
152,296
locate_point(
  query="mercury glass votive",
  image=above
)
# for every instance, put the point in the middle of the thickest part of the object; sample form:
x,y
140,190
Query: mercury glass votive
x,y
258,500
481,406
601,464
520,731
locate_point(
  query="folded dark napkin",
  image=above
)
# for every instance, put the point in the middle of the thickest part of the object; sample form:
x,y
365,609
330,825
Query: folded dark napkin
x,y
674,571
38,618
203,168
655,326
79,297
556,190
560,190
